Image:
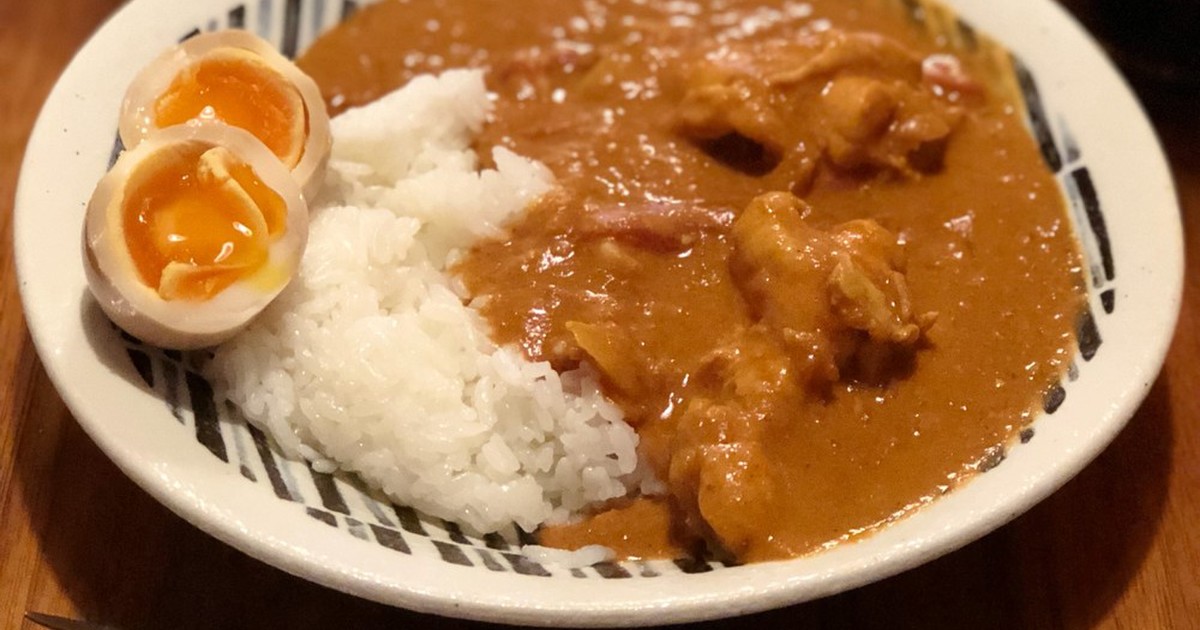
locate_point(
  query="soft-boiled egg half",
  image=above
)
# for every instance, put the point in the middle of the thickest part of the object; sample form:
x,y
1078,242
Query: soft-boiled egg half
x,y
239,79
192,233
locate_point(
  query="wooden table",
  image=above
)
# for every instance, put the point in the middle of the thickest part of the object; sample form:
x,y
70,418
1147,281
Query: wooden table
x,y
1118,547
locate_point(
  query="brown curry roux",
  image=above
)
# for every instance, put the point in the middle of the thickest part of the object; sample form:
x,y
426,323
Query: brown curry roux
x,y
818,261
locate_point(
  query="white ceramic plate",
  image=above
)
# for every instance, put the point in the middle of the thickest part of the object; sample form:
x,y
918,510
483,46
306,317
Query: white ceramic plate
x,y
156,418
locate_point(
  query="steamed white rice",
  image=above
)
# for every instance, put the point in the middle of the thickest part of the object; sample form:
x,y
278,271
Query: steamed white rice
x,y
371,363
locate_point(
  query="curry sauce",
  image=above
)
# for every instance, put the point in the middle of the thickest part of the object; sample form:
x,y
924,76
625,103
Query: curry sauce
x,y
811,249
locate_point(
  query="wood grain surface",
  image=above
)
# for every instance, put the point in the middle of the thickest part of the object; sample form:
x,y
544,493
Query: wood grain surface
x,y
1118,547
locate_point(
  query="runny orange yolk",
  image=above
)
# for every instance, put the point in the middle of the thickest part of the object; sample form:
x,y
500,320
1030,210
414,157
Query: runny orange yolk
x,y
238,88
196,220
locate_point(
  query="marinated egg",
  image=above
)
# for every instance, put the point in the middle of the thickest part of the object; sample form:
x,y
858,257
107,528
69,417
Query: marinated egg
x,y
193,233
239,79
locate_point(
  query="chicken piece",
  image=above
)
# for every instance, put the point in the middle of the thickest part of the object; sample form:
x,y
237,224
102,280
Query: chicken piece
x,y
728,94
843,53
727,98
832,296
861,302
861,109
850,100
867,287
781,266
876,124
827,304
748,366
720,475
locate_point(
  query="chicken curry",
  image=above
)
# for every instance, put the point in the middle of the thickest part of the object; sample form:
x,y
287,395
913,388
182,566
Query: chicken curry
x,y
810,248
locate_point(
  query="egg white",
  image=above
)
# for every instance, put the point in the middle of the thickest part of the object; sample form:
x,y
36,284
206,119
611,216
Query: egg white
x,y
185,324
137,119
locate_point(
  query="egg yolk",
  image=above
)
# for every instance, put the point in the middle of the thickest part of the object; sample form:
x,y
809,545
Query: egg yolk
x,y
196,219
238,88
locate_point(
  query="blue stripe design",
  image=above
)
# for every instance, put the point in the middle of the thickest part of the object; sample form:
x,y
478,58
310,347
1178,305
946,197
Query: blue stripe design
x,y
452,553
141,363
489,561
1038,121
495,541
1091,207
170,372
1087,335
409,520
373,506
117,149
204,410
610,570
524,565
237,17
455,532
318,18
234,416
266,9
291,29
1054,398
391,539
270,465
356,528
327,488
323,516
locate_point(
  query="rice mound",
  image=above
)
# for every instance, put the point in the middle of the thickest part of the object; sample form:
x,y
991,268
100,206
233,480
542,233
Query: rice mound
x,y
370,362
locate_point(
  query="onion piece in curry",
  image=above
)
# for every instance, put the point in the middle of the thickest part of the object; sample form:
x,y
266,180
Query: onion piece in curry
x,y
811,247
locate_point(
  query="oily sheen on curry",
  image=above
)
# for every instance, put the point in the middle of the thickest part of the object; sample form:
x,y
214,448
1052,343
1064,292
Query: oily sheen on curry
x,y
813,252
